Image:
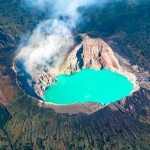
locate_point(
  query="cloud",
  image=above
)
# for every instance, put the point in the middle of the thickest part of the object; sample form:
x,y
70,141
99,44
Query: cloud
x,y
53,38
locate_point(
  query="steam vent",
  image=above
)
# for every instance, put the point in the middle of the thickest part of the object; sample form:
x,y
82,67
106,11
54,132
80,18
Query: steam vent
x,y
86,78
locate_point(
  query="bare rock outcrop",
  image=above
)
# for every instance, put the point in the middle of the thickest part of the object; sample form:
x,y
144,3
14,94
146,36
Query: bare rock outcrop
x,y
42,80
91,53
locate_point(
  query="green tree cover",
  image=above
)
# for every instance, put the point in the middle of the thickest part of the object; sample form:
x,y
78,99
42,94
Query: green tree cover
x,y
31,127
4,116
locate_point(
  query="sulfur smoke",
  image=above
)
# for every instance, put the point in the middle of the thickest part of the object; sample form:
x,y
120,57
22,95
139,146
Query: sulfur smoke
x,y
52,38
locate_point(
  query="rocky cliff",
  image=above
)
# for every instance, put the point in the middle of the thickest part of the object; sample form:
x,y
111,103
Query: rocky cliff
x,y
91,53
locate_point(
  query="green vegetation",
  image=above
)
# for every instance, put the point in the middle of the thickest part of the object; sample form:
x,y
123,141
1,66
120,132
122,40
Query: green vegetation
x,y
14,19
38,127
116,127
4,116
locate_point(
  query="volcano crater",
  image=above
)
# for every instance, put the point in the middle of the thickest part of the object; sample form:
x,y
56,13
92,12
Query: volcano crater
x,y
91,53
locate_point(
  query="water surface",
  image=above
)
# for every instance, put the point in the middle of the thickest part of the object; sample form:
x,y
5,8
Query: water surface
x,y
89,85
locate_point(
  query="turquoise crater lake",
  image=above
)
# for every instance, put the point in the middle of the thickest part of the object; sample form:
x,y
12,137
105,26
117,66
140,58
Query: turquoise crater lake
x,y
89,85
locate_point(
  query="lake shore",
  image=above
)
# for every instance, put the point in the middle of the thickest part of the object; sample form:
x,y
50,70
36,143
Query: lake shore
x,y
85,108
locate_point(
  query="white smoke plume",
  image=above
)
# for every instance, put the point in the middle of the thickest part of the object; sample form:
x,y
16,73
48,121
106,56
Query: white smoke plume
x,y
53,38
50,40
